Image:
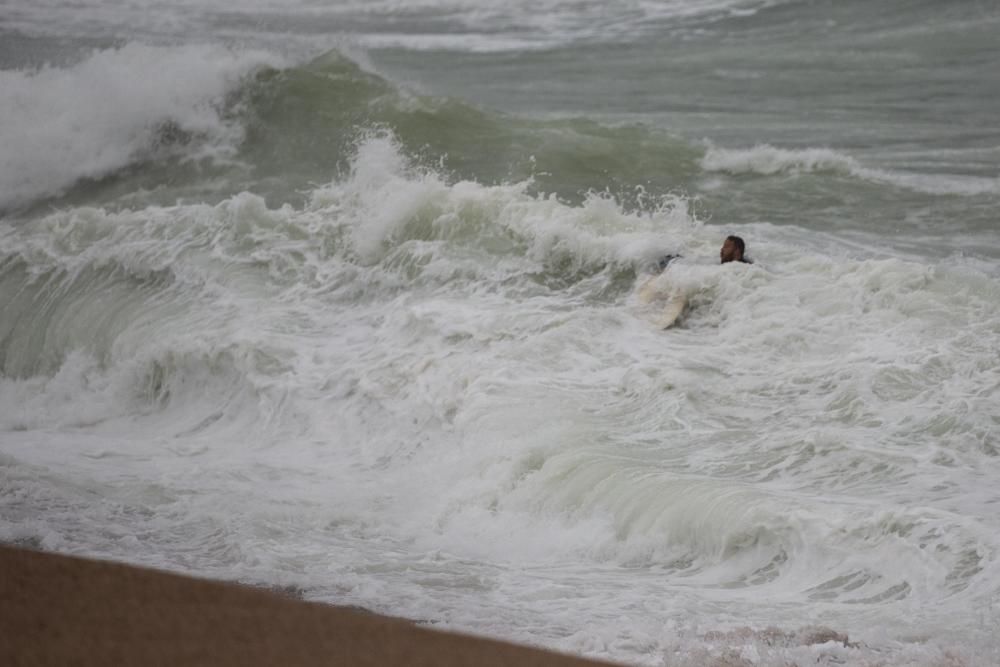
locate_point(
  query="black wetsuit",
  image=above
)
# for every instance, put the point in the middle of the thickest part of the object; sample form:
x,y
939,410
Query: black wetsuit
x,y
664,261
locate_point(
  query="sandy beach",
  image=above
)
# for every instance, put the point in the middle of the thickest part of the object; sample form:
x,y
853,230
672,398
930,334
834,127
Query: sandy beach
x,y
59,610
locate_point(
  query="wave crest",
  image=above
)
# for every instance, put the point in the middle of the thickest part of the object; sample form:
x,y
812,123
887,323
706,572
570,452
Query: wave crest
x,y
118,106
766,160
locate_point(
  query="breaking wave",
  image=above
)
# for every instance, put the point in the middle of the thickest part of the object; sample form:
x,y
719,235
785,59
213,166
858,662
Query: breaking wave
x,y
767,161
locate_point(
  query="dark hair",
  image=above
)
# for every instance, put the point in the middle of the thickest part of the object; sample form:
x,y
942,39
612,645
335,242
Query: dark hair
x,y
738,242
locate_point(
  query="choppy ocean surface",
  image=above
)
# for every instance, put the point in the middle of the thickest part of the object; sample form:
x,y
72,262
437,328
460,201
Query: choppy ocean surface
x,y
341,297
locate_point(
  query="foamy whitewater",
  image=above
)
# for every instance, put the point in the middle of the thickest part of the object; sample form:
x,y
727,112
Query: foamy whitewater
x,y
343,300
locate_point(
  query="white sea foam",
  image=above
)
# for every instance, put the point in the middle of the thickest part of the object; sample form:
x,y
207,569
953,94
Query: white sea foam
x,y
768,160
442,401
388,199
58,125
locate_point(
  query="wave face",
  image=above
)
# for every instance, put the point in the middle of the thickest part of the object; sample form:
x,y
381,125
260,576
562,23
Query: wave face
x,y
225,120
358,311
245,121
116,108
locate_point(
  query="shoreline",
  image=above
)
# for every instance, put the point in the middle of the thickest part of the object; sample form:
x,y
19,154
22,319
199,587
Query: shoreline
x,y
59,609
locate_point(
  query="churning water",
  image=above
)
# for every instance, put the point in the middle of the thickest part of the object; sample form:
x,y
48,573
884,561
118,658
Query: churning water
x,y
342,297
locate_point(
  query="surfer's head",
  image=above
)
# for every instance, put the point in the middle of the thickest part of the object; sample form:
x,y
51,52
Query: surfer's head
x,y
732,249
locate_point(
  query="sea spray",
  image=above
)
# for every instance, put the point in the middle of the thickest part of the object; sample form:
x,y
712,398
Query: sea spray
x,y
115,108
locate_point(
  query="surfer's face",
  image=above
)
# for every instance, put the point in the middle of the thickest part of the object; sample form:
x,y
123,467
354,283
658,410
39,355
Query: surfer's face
x,y
728,252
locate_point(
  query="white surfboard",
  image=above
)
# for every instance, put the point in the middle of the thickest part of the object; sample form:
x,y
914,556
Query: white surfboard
x,y
675,306
654,289
650,290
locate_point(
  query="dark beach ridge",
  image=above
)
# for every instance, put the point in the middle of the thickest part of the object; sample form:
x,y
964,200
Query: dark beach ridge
x,y
61,610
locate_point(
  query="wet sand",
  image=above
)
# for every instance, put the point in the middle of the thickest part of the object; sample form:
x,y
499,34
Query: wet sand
x,y
59,610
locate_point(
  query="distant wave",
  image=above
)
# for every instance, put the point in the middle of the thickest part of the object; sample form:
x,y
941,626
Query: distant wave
x,y
144,114
767,160
451,25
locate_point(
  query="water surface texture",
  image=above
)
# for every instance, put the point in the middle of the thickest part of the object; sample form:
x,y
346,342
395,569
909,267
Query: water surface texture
x,y
341,297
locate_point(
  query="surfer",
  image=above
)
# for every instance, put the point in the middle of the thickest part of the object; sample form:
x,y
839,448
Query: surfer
x,y
675,300
653,289
732,250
